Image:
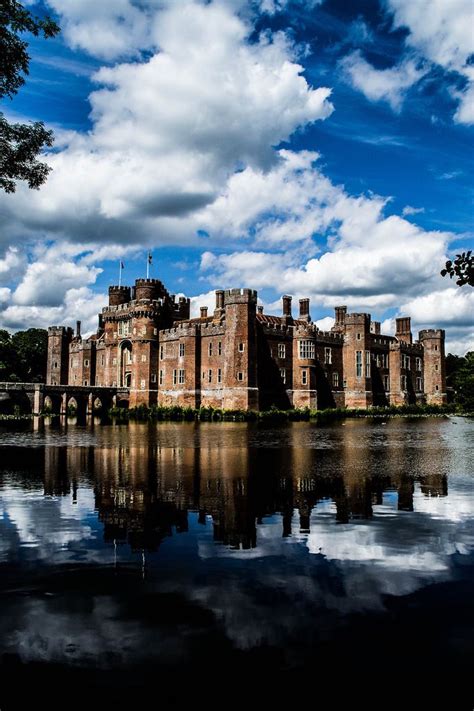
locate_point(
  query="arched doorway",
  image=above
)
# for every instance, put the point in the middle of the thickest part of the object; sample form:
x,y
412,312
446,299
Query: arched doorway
x,y
126,360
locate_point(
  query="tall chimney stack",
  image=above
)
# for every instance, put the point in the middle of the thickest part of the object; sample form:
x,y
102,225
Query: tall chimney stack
x,y
203,311
304,310
287,305
78,328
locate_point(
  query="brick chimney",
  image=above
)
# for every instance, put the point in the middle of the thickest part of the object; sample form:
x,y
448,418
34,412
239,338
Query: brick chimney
x,y
78,329
304,310
203,311
287,305
403,331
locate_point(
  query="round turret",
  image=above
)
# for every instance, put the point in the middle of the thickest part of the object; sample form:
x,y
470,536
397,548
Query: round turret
x,y
150,289
119,295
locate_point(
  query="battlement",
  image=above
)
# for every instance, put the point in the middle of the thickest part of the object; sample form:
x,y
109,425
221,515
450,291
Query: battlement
x,y
357,319
240,296
60,331
431,333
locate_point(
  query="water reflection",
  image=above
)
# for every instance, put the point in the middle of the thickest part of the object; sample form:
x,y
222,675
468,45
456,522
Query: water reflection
x,y
174,544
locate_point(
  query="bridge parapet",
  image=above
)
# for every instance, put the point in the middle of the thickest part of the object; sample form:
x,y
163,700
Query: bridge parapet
x,y
34,398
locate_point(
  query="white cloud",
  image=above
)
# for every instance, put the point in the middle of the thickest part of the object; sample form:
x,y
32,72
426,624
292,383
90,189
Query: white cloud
x,y
80,303
168,132
388,85
409,210
442,32
11,264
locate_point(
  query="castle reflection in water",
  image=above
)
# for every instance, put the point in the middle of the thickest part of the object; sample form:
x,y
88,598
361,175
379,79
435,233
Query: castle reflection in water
x,y
143,492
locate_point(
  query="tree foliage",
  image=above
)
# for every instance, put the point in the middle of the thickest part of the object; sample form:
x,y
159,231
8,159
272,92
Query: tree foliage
x,y
460,379
462,268
23,356
20,144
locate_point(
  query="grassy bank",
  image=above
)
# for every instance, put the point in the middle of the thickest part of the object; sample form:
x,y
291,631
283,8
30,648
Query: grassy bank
x,y
209,414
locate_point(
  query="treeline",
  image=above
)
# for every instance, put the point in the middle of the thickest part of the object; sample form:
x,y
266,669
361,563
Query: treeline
x,y
460,380
23,356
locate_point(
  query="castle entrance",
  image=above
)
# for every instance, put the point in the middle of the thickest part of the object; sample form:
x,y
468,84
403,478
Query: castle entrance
x,y
126,361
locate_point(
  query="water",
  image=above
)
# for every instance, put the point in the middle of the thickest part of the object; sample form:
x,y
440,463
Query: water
x,y
235,563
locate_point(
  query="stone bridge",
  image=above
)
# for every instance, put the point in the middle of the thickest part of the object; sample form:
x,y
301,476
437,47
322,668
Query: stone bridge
x,y
36,398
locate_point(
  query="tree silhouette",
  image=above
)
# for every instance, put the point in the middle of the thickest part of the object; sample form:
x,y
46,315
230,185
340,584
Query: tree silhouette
x,y
462,268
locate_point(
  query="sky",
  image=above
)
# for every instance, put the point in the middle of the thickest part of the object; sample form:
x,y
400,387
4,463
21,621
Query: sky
x,y
321,148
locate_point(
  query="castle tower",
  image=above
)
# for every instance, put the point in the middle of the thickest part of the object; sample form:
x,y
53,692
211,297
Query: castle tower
x,y
240,348
59,339
434,368
119,295
138,354
356,361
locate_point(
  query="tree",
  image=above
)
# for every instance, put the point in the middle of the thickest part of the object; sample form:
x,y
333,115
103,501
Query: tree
x,y
23,356
460,379
31,348
20,144
462,268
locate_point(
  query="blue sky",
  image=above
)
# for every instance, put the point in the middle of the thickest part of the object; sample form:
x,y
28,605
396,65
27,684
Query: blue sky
x,y
318,148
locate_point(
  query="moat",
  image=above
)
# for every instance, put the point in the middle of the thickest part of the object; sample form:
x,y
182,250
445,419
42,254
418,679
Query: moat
x,y
236,563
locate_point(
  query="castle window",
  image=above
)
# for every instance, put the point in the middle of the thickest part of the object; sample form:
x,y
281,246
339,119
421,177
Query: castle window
x,y
175,377
75,377
359,336
335,380
436,387
367,364
219,348
102,360
385,360
210,348
418,363
209,376
405,362
86,363
241,347
419,385
161,377
219,375
161,352
304,377
240,376
143,358
281,351
403,382
328,356
55,364
359,364
181,350
181,376
153,377
386,383
143,384
283,374
436,348
436,366
86,382
344,383
306,349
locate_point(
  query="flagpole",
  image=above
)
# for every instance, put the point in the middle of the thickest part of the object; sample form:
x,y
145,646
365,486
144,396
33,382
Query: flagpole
x,y
120,273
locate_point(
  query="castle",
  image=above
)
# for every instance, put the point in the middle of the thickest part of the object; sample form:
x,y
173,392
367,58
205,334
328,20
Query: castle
x,y
238,357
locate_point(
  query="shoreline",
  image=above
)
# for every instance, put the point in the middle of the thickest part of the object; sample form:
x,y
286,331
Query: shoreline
x,y
205,414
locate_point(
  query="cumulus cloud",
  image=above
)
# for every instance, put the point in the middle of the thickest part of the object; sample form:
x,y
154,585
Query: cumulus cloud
x,y
77,303
169,131
388,85
442,32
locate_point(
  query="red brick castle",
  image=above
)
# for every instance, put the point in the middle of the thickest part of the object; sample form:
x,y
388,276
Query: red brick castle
x,y
241,358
